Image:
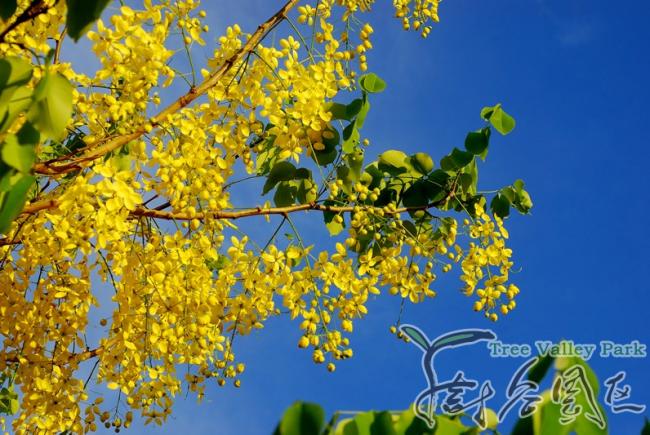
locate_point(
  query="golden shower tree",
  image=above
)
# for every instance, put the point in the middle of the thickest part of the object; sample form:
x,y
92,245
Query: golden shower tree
x,y
120,180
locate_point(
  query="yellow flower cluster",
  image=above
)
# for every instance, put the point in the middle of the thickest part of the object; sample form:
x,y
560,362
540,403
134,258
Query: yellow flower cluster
x,y
487,264
37,34
125,275
418,14
134,60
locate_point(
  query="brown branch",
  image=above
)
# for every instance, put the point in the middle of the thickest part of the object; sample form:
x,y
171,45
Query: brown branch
x,y
157,213
59,43
74,358
36,8
106,145
160,213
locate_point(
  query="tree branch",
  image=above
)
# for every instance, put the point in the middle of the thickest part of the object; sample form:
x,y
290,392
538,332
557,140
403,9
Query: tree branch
x,y
36,8
154,213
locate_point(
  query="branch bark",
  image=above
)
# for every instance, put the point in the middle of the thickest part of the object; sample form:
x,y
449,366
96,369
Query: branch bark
x,y
141,211
35,8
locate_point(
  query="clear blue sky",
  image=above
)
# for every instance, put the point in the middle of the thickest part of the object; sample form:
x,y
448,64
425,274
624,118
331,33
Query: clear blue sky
x,y
574,74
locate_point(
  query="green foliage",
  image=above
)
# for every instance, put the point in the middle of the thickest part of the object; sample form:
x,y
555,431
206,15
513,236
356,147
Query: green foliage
x,y
47,109
372,83
8,397
408,180
301,418
646,428
514,196
499,119
422,162
477,142
309,417
52,105
281,171
7,8
342,147
82,14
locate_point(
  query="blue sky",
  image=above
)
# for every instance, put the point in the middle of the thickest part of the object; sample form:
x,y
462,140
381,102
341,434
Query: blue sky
x,y
574,75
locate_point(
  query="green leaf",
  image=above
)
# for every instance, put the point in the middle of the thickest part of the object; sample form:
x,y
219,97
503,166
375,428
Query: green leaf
x,y
53,108
372,83
456,160
81,14
302,174
363,112
281,171
469,178
338,110
350,138
14,199
19,103
14,73
331,138
355,163
408,424
266,156
345,112
452,426
284,194
422,162
519,198
646,427
370,423
518,185
394,159
524,426
500,206
417,195
7,8
353,109
333,227
503,122
461,158
301,418
324,157
477,142
17,155
382,424
537,372
13,405
439,179
305,191
546,421
523,203
377,176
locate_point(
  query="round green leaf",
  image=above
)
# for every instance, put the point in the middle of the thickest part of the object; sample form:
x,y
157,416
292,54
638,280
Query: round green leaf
x,y
81,14
500,206
7,8
503,122
53,107
281,171
477,142
395,159
372,83
422,162
20,157
301,418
